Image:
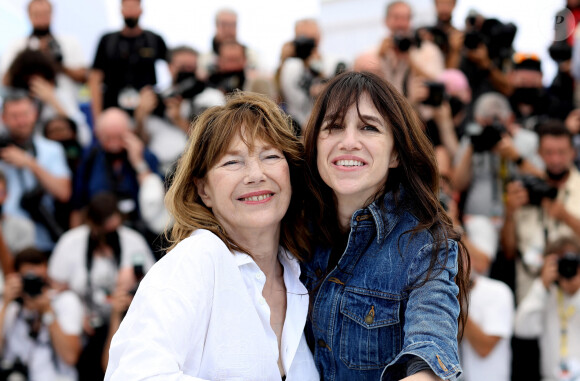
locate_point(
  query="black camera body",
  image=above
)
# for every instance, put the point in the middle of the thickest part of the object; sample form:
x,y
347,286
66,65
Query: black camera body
x,y
538,189
568,265
489,137
5,141
303,47
32,284
403,43
496,35
436,93
560,51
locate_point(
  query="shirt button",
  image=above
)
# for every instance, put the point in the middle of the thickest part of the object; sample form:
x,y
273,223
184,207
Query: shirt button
x,y
321,343
259,276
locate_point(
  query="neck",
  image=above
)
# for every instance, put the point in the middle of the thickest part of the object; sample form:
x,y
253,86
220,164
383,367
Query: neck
x,y
346,206
131,32
263,247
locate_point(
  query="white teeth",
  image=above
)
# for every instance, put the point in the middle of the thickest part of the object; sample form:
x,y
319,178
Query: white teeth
x,y
257,198
350,163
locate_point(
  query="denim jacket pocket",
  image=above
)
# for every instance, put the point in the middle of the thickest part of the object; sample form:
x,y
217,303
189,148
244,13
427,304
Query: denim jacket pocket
x,y
370,336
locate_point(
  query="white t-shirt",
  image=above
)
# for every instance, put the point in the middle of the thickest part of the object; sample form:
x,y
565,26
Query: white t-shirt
x,y
67,264
491,307
199,314
38,354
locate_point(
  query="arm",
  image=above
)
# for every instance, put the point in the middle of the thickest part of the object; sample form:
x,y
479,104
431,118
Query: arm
x,y
6,258
67,347
78,74
498,79
59,187
516,197
95,84
436,342
557,210
463,171
12,290
479,340
529,321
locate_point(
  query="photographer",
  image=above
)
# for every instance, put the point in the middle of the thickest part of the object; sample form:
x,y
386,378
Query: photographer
x,y
124,63
536,214
162,120
487,49
230,72
64,52
39,327
87,260
301,71
36,170
549,311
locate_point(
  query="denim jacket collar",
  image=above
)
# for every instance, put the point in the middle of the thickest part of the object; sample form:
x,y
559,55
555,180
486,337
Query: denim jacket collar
x,y
383,214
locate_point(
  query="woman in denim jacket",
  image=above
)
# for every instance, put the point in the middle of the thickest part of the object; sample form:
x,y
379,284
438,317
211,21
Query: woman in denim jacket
x,y
388,272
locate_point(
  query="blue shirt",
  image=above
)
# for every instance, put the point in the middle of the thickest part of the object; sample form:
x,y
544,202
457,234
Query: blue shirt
x,y
371,314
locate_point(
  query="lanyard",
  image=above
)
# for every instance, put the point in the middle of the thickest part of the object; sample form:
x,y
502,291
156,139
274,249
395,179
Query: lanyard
x,y
564,314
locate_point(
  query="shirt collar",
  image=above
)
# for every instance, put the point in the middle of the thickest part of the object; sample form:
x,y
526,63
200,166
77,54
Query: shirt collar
x,y
385,214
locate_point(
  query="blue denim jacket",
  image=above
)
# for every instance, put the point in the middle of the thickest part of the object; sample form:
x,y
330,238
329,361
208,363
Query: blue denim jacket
x,y
367,320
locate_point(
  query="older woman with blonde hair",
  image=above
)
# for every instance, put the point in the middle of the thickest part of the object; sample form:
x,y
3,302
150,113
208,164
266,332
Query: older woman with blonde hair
x,y
226,301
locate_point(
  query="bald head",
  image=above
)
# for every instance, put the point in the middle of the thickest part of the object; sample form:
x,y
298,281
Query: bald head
x,y
368,61
111,127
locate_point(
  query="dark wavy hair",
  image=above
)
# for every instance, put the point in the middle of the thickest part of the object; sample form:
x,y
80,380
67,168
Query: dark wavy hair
x,y
210,136
29,63
417,170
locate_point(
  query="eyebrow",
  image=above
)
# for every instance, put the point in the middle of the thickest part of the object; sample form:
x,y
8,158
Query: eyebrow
x,y
371,118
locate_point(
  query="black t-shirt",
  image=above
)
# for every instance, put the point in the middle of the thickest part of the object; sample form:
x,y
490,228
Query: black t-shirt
x,y
128,62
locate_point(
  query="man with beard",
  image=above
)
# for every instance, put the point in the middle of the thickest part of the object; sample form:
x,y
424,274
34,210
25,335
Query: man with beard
x,y
64,52
35,167
532,105
124,63
542,211
117,163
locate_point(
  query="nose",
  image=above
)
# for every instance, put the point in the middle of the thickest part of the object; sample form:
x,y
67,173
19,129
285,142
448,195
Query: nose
x,y
254,171
350,139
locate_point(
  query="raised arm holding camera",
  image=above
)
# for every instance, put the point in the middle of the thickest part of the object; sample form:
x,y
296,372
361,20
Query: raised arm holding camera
x,y
539,211
39,328
549,311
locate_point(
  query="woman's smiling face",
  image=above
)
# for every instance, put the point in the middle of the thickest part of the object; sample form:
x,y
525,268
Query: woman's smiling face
x,y
248,189
355,153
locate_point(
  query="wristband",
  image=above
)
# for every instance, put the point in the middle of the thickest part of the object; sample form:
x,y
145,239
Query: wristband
x,y
141,168
48,318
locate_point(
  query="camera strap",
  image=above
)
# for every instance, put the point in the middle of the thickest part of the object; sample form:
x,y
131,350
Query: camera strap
x,y
564,314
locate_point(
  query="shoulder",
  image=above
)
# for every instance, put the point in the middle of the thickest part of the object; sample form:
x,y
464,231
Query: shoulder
x,y
130,234
80,232
44,144
66,299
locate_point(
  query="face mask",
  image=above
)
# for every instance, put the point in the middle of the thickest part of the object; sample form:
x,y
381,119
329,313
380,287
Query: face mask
x,y
456,106
131,22
41,31
527,95
72,148
557,176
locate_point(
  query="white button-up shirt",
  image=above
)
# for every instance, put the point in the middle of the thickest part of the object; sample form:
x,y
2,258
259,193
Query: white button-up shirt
x,y
200,314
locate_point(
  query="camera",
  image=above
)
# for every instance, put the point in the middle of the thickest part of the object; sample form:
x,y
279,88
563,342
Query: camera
x,y
538,189
488,137
303,47
32,284
55,50
186,86
560,51
436,93
5,141
568,265
403,43
496,35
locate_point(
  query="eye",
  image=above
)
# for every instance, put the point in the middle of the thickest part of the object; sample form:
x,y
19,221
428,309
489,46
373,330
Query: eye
x,y
230,163
368,127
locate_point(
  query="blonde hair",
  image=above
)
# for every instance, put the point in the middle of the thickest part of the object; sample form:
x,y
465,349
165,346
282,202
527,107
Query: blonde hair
x,y
210,136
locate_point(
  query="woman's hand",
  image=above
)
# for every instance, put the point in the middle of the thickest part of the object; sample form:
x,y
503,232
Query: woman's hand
x,y
424,375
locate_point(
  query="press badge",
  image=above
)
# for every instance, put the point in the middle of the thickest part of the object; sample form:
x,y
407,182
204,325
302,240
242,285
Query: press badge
x,y
128,98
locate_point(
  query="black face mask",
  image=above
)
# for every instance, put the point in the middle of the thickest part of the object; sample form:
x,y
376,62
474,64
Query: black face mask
x,y
228,82
527,95
111,157
456,106
188,85
131,22
557,176
41,31
72,148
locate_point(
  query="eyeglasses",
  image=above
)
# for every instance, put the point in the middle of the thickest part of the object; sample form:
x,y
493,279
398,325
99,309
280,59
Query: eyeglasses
x,y
518,58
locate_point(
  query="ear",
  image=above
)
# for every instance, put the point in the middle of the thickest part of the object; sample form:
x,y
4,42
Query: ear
x,y
201,187
394,160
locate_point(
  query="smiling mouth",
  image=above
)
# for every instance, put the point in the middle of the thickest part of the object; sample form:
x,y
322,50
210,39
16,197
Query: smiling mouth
x,y
261,197
349,163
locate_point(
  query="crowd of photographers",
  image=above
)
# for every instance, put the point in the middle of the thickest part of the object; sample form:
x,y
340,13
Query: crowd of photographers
x,y
82,186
